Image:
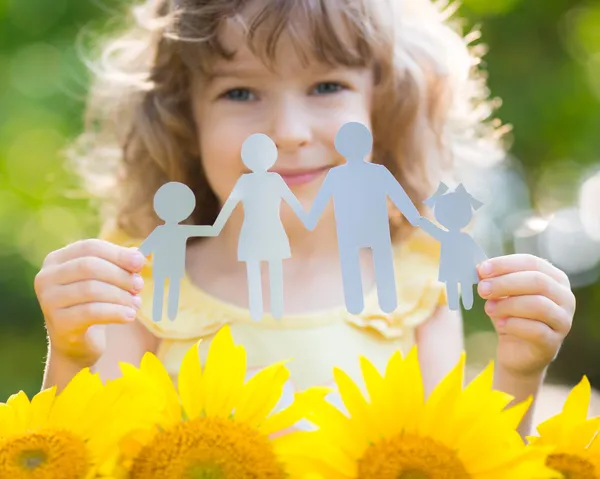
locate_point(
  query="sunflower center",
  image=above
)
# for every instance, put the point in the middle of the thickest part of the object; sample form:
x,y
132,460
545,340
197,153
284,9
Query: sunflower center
x,y
50,454
408,456
208,448
572,466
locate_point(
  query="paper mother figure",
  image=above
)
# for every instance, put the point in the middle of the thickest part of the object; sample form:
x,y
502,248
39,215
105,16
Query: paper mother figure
x,y
460,255
173,203
262,237
360,190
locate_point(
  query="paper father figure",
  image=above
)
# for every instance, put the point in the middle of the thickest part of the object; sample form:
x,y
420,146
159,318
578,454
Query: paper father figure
x,y
460,255
173,203
262,237
359,190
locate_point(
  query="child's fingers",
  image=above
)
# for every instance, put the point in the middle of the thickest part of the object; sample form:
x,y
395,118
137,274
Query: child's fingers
x,y
88,291
524,283
90,267
81,316
127,258
520,262
535,308
534,332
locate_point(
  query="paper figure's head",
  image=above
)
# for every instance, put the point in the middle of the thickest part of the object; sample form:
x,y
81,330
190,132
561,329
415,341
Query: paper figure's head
x,y
259,152
174,202
453,210
354,141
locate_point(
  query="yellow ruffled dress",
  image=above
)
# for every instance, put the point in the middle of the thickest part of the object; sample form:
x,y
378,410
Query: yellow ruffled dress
x,y
315,342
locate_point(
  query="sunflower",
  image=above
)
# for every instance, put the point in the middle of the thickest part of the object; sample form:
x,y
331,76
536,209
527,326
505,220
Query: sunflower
x,y
216,425
70,435
572,437
456,434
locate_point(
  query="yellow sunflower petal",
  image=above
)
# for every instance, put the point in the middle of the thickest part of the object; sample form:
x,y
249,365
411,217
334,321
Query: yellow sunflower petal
x,y
577,403
304,405
261,393
8,421
224,374
190,384
152,366
575,409
409,401
439,408
580,436
339,427
41,405
357,406
21,407
311,447
373,379
71,405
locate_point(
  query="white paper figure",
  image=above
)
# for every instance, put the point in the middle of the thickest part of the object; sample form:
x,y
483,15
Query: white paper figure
x,y
173,203
460,255
360,190
262,237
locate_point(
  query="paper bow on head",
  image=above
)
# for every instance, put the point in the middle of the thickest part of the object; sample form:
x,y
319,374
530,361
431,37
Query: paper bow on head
x,y
460,191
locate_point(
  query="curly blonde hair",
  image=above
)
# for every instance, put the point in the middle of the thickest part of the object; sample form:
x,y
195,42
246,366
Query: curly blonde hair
x,y
431,106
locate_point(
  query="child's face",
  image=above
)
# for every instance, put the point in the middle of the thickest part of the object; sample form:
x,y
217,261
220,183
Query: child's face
x,y
300,108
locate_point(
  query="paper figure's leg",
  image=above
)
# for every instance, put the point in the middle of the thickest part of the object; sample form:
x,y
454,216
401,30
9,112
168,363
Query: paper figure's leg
x,y
157,301
174,285
452,293
384,275
255,289
276,279
352,280
466,293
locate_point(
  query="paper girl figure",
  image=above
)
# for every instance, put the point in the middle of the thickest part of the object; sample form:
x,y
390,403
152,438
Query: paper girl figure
x,y
262,237
460,255
173,203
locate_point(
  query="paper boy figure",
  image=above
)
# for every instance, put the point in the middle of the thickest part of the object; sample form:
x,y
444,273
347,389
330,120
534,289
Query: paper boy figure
x,y
360,190
460,255
173,203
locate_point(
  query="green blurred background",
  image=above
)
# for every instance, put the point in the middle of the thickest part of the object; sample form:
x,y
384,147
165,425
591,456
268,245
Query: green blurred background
x,y
543,62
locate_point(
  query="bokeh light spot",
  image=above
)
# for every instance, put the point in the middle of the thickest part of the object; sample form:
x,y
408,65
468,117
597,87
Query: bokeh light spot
x,y
567,245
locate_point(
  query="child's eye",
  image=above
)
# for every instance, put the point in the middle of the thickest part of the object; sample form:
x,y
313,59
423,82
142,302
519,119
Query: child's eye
x,y
238,94
328,87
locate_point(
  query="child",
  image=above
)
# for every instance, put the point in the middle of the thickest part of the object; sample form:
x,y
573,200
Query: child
x,y
192,80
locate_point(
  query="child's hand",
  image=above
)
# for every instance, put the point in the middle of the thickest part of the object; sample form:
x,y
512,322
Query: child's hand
x,y
531,305
88,283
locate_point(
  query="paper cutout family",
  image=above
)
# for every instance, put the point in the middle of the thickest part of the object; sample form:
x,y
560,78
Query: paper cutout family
x,y
359,190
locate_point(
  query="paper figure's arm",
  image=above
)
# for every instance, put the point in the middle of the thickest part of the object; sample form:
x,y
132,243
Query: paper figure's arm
x,y
320,203
400,199
228,207
149,244
291,200
200,230
431,229
479,253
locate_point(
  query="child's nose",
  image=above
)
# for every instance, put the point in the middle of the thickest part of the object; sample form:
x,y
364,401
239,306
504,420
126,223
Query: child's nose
x,y
291,127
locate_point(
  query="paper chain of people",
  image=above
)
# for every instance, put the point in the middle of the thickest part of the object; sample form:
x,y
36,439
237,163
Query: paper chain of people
x,y
359,190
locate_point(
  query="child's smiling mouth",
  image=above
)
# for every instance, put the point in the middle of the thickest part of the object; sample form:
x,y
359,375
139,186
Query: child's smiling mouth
x,y
297,177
